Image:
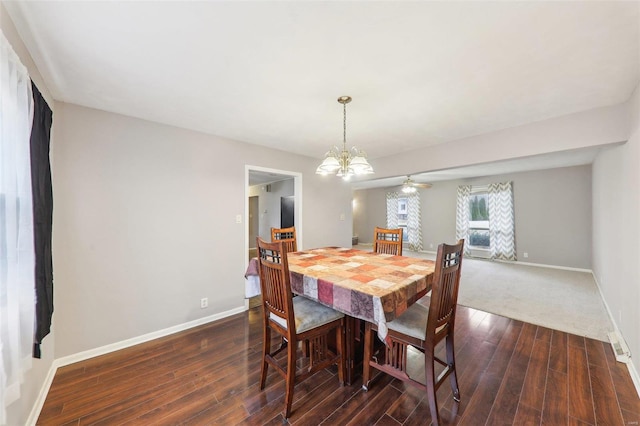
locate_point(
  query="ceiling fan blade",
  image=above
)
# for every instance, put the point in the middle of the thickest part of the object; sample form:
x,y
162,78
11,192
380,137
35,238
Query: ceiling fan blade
x,y
422,185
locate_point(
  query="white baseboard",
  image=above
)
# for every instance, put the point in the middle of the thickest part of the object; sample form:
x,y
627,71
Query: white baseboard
x,y
517,262
81,356
44,391
429,252
634,376
542,265
633,372
606,305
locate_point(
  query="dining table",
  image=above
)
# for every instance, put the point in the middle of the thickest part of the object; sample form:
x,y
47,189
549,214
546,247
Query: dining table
x,y
361,284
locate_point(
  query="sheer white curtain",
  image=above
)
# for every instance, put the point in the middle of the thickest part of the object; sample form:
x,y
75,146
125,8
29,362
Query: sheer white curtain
x,y
462,215
413,222
392,210
17,295
501,221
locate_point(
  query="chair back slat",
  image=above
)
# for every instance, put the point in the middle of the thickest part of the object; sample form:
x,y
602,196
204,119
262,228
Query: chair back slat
x,y
287,236
444,294
274,281
387,241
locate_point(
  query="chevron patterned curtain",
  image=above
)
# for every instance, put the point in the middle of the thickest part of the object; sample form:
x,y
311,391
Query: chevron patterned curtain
x,y
392,210
501,221
462,215
413,222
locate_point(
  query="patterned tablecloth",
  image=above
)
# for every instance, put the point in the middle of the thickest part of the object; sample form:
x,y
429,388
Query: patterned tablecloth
x,y
366,285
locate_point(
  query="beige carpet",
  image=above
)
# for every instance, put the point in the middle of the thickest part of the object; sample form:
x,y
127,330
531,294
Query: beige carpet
x,y
554,298
558,299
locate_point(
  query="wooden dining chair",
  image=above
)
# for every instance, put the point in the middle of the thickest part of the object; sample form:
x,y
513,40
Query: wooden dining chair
x,y
423,328
286,235
387,241
297,320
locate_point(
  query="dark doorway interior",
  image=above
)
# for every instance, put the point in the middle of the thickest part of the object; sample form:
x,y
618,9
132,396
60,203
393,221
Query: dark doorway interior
x,y
286,211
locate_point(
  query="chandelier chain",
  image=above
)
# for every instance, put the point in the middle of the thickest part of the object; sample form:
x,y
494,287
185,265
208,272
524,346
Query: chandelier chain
x,y
344,125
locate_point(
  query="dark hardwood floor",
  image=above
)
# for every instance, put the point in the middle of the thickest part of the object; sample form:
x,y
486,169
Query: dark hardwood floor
x,y
509,372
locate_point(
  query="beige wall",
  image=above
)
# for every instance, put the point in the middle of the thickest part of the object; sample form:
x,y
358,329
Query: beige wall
x,y
616,231
552,214
145,224
369,211
18,412
596,127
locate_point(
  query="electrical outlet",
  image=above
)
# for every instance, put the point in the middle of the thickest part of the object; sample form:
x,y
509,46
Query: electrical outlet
x,y
204,302
525,254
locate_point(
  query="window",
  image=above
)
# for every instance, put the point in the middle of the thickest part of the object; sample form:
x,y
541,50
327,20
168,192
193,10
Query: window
x,y
479,236
403,208
403,211
403,217
485,218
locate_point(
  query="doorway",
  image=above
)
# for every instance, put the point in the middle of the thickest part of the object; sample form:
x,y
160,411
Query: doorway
x,y
259,219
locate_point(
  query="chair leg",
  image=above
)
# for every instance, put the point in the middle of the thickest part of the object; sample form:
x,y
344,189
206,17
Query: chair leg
x,y
451,360
291,378
368,349
431,388
266,347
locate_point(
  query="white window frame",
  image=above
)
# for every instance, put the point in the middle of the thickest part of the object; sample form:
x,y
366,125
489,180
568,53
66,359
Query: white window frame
x,y
478,224
403,209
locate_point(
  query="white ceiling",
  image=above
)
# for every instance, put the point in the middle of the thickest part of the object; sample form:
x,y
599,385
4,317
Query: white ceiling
x,y
269,72
257,177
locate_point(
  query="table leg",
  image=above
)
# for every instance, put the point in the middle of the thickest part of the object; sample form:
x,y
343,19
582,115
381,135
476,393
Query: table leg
x,y
354,348
349,349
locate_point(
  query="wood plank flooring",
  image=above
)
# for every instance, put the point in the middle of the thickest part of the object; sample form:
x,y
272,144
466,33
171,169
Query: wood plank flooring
x,y
509,372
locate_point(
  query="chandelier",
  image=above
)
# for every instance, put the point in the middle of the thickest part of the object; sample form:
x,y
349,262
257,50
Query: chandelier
x,y
345,163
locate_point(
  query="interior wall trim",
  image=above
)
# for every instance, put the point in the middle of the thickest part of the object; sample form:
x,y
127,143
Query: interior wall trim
x,y
633,372
538,265
102,350
542,265
635,378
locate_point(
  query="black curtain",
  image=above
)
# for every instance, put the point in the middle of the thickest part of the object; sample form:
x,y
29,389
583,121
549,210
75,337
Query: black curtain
x,y
42,216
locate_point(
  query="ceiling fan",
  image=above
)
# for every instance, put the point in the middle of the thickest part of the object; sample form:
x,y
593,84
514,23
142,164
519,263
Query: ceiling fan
x,y
409,185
